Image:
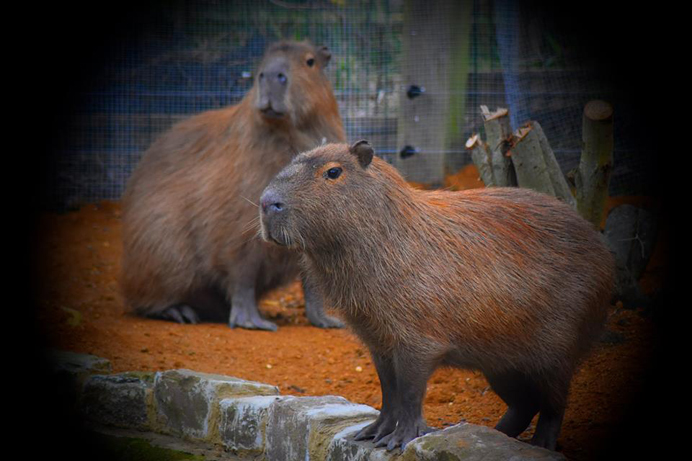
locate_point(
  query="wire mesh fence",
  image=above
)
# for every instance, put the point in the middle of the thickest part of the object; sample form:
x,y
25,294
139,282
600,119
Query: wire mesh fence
x,y
200,55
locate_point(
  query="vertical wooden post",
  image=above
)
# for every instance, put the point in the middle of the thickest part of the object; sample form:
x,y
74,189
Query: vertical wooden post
x,y
499,136
535,164
435,44
593,175
482,158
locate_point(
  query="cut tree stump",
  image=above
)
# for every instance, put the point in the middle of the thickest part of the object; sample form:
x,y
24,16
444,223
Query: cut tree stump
x,y
592,177
535,164
482,158
528,161
498,135
631,233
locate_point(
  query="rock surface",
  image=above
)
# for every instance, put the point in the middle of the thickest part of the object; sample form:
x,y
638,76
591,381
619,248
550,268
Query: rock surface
x,y
250,420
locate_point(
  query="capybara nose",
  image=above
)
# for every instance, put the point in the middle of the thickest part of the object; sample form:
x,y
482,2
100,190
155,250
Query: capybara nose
x,y
275,77
275,71
271,202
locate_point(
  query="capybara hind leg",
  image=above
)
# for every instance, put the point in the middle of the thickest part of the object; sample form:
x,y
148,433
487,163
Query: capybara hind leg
x,y
548,428
386,420
181,313
314,308
552,410
522,397
412,374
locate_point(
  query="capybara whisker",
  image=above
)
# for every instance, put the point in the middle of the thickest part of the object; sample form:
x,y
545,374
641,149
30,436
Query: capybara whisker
x,y
250,201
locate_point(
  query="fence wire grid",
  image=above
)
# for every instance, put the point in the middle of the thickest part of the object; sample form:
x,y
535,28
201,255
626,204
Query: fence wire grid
x,y
200,55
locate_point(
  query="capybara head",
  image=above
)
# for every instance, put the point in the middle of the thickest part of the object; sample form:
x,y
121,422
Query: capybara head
x,y
290,84
308,202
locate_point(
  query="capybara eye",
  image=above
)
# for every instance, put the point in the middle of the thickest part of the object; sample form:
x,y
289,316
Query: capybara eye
x,y
282,78
334,173
311,62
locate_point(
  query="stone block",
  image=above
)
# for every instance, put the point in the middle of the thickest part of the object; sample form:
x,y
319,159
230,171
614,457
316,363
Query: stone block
x,y
187,401
76,367
243,421
121,400
344,448
472,442
300,428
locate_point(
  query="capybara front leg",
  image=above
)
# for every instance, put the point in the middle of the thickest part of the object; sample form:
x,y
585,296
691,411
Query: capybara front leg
x,y
314,307
386,420
244,311
412,373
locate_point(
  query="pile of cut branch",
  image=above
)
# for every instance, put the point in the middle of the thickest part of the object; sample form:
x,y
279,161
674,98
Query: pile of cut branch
x,y
524,158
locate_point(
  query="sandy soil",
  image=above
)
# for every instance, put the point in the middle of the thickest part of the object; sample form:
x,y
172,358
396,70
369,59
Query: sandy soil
x,y
80,309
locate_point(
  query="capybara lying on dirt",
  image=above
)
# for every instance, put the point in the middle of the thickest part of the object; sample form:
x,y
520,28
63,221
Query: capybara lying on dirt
x,y
503,280
191,250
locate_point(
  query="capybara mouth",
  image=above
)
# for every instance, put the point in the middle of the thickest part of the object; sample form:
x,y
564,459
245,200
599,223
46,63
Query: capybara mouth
x,y
277,241
267,236
269,112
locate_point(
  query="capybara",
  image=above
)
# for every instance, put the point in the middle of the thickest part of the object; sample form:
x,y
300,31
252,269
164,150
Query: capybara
x,y
191,251
507,281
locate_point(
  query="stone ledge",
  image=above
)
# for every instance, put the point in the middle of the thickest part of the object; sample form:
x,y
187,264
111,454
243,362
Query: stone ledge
x,y
252,421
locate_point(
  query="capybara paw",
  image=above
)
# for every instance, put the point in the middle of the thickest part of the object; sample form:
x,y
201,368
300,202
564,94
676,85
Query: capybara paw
x,y
251,323
376,431
403,434
181,313
545,442
327,321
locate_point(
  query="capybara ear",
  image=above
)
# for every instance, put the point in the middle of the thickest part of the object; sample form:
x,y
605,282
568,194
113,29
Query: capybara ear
x,y
363,151
324,54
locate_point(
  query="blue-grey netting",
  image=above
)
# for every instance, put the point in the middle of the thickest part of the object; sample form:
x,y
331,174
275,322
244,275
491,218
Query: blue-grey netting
x,y
199,55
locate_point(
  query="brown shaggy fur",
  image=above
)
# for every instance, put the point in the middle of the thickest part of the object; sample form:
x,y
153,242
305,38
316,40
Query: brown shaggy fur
x,y
504,280
189,212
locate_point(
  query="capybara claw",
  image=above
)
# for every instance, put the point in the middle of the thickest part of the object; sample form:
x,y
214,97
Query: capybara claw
x,y
179,313
375,431
254,324
328,322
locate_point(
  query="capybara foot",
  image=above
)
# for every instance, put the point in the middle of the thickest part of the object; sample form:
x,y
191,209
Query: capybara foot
x,y
181,313
377,430
550,444
241,319
403,434
327,321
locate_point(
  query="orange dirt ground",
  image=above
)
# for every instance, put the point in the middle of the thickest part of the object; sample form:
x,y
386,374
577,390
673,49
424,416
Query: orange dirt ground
x,y
80,309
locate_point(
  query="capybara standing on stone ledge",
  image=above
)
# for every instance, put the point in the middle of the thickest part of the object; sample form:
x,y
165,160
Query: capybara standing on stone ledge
x,y
190,243
503,280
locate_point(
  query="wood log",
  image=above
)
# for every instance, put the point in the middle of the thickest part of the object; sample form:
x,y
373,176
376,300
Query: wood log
x,y
558,180
592,177
528,160
626,288
498,135
482,158
631,233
